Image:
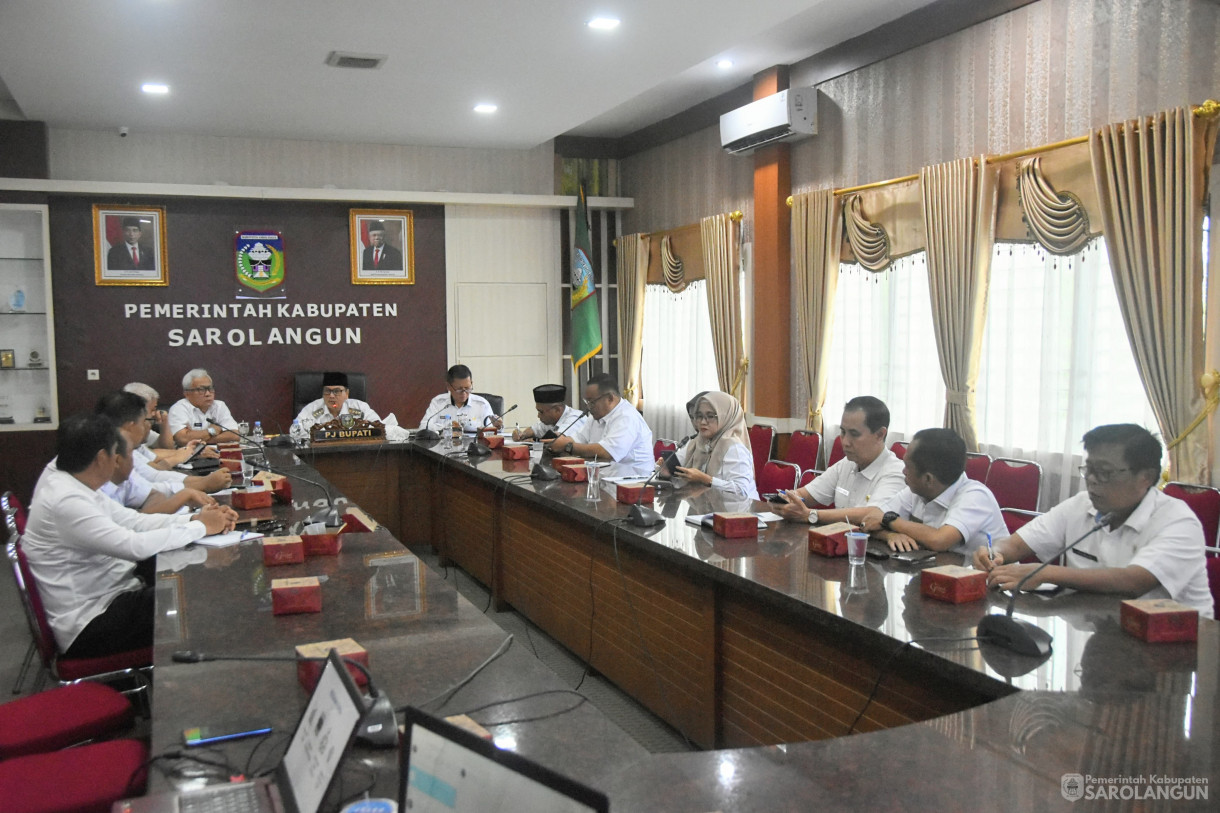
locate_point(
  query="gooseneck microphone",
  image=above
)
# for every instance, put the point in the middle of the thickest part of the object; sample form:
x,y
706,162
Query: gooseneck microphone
x,y
428,433
645,517
490,418
328,515
1020,636
575,421
378,726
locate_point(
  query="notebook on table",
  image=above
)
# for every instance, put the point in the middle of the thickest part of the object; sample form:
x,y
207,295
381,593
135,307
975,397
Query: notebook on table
x,y
305,772
446,769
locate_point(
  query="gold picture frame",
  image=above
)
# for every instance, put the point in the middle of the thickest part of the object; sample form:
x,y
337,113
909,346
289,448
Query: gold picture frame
x,y
116,260
390,261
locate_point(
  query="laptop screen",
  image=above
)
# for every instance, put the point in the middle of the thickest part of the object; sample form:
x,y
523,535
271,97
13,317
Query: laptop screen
x,y
321,738
448,769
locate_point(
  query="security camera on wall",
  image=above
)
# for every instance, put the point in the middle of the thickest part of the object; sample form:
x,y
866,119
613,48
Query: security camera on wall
x,y
123,131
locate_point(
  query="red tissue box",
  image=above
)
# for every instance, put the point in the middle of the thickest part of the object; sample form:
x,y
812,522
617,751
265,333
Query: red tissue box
x,y
632,493
559,463
953,583
244,500
328,544
734,525
283,550
517,452
231,454
303,595
281,486
1159,620
355,521
574,474
492,441
308,671
830,540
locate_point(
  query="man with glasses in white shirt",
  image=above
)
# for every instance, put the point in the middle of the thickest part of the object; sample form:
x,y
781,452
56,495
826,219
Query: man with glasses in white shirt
x,y
1150,547
466,409
617,433
196,415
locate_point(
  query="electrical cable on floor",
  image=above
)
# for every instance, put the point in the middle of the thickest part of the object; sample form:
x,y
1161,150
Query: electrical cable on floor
x,y
580,702
885,667
447,695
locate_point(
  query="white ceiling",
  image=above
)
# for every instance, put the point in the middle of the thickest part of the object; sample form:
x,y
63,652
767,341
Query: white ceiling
x,y
256,68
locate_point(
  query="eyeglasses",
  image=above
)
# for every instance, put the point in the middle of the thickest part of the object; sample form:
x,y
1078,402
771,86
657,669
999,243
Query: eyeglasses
x,y
705,416
202,389
589,402
1099,475
466,390
150,419
334,390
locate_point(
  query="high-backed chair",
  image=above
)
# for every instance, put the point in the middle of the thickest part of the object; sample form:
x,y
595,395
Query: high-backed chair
x,y
496,401
14,513
899,448
803,449
1213,573
1204,501
88,779
1015,483
1015,519
836,452
777,475
807,477
977,465
762,442
60,718
307,386
131,668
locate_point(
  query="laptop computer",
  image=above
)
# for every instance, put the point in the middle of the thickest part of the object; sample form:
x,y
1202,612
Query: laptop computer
x,y
446,769
305,772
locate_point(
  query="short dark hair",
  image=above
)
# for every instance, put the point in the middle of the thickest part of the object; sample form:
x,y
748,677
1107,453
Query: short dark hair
x,y
939,452
458,371
121,407
605,383
1141,449
876,413
80,438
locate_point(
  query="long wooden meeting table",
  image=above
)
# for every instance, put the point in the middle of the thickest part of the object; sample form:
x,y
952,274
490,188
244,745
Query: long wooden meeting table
x,y
760,653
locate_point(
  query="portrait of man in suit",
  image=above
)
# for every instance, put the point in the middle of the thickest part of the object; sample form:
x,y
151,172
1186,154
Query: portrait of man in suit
x,y
129,245
130,255
378,254
382,248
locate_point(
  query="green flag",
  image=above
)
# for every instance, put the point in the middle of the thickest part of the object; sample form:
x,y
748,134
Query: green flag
x,y
586,316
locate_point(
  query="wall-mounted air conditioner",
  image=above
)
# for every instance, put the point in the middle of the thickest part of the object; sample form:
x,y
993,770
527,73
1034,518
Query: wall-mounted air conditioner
x,y
784,116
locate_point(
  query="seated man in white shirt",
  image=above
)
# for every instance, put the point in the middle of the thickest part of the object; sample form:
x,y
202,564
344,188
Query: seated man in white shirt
x,y
869,473
1150,545
554,414
941,508
129,413
83,548
335,401
466,410
159,439
196,415
617,433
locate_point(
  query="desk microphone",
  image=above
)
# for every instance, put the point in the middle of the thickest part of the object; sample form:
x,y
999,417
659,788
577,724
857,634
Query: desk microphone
x,y
280,439
501,417
246,438
1020,636
427,433
328,515
575,421
643,517
378,726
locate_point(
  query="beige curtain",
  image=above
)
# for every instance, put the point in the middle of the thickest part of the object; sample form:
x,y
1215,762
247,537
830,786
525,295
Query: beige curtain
x,y
816,230
1151,178
722,265
959,211
632,274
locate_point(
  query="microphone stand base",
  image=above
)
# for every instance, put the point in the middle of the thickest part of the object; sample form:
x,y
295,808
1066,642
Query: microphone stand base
x,y
379,726
643,517
1015,635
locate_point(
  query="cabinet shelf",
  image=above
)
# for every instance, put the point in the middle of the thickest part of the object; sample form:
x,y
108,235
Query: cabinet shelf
x,y
23,313
24,233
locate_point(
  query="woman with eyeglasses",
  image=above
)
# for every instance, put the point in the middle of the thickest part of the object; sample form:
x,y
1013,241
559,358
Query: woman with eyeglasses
x,y
719,454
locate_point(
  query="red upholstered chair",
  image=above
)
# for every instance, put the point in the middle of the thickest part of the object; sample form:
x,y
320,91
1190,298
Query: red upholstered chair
x,y
899,448
807,477
14,513
61,717
803,449
130,668
1015,483
777,475
977,465
1015,519
88,779
836,452
1213,573
1204,501
663,445
762,441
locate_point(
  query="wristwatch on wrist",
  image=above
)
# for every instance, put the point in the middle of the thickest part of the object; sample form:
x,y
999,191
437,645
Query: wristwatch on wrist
x,y
212,431
887,518
568,449
813,516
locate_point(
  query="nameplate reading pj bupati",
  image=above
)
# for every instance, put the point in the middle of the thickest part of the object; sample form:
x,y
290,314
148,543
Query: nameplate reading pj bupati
x,y
356,431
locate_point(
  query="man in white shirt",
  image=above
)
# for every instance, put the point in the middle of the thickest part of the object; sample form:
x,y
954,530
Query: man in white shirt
x,y
1151,546
466,410
554,414
196,415
941,508
159,439
336,400
869,473
617,432
83,548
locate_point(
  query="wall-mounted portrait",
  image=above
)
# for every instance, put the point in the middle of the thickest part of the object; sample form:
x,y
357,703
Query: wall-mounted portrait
x,y
383,246
129,245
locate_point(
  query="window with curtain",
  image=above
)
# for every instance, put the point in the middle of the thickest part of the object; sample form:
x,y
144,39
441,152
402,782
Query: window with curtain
x,y
678,360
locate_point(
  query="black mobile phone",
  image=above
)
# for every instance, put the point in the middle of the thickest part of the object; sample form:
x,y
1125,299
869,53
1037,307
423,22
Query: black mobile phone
x,y
670,461
221,732
198,451
775,497
912,557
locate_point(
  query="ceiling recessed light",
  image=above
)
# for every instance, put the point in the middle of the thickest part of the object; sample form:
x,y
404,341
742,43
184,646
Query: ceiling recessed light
x,y
154,87
724,64
485,107
604,23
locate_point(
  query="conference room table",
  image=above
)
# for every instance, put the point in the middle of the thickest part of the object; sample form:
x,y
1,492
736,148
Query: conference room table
x,y
763,655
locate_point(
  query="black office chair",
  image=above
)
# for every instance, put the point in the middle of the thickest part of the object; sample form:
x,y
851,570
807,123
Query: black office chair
x,y
307,386
496,401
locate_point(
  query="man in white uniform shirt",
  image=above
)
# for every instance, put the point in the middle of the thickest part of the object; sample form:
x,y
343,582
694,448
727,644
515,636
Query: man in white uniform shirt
x,y
1151,546
336,400
617,432
554,414
868,475
941,508
85,550
466,410
192,417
